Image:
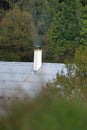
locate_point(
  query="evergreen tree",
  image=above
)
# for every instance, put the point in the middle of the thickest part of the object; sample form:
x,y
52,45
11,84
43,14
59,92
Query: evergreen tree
x,y
83,33
64,33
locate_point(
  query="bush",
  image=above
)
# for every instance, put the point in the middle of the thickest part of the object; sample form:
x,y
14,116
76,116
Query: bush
x,y
46,112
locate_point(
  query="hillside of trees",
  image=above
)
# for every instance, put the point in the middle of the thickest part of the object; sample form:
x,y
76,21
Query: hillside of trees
x,y
58,26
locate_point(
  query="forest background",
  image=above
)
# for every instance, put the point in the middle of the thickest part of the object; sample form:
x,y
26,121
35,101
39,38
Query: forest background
x,y
58,26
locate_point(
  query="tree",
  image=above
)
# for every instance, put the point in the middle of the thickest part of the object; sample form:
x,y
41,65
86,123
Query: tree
x,y
64,32
17,32
83,32
81,61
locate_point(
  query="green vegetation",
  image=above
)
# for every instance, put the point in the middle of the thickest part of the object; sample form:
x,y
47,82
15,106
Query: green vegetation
x,y
59,24
83,33
16,36
74,83
64,32
46,111
81,63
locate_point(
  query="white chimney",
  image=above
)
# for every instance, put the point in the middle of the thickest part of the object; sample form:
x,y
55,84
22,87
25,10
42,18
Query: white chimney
x,y
37,59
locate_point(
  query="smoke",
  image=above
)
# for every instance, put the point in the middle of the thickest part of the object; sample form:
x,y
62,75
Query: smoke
x,y
37,41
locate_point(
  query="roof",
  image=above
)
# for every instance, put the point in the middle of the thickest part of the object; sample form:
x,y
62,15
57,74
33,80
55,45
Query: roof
x,y
19,77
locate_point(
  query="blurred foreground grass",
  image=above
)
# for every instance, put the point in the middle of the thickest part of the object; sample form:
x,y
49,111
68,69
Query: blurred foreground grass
x,y
46,112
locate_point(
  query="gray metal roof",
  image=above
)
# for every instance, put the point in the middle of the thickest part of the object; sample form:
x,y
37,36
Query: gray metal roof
x,y
19,77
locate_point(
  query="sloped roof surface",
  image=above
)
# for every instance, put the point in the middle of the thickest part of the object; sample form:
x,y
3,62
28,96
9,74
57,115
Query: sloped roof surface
x,y
18,76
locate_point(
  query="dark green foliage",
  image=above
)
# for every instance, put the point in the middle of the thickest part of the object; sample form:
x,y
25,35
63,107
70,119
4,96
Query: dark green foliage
x,y
64,33
83,33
